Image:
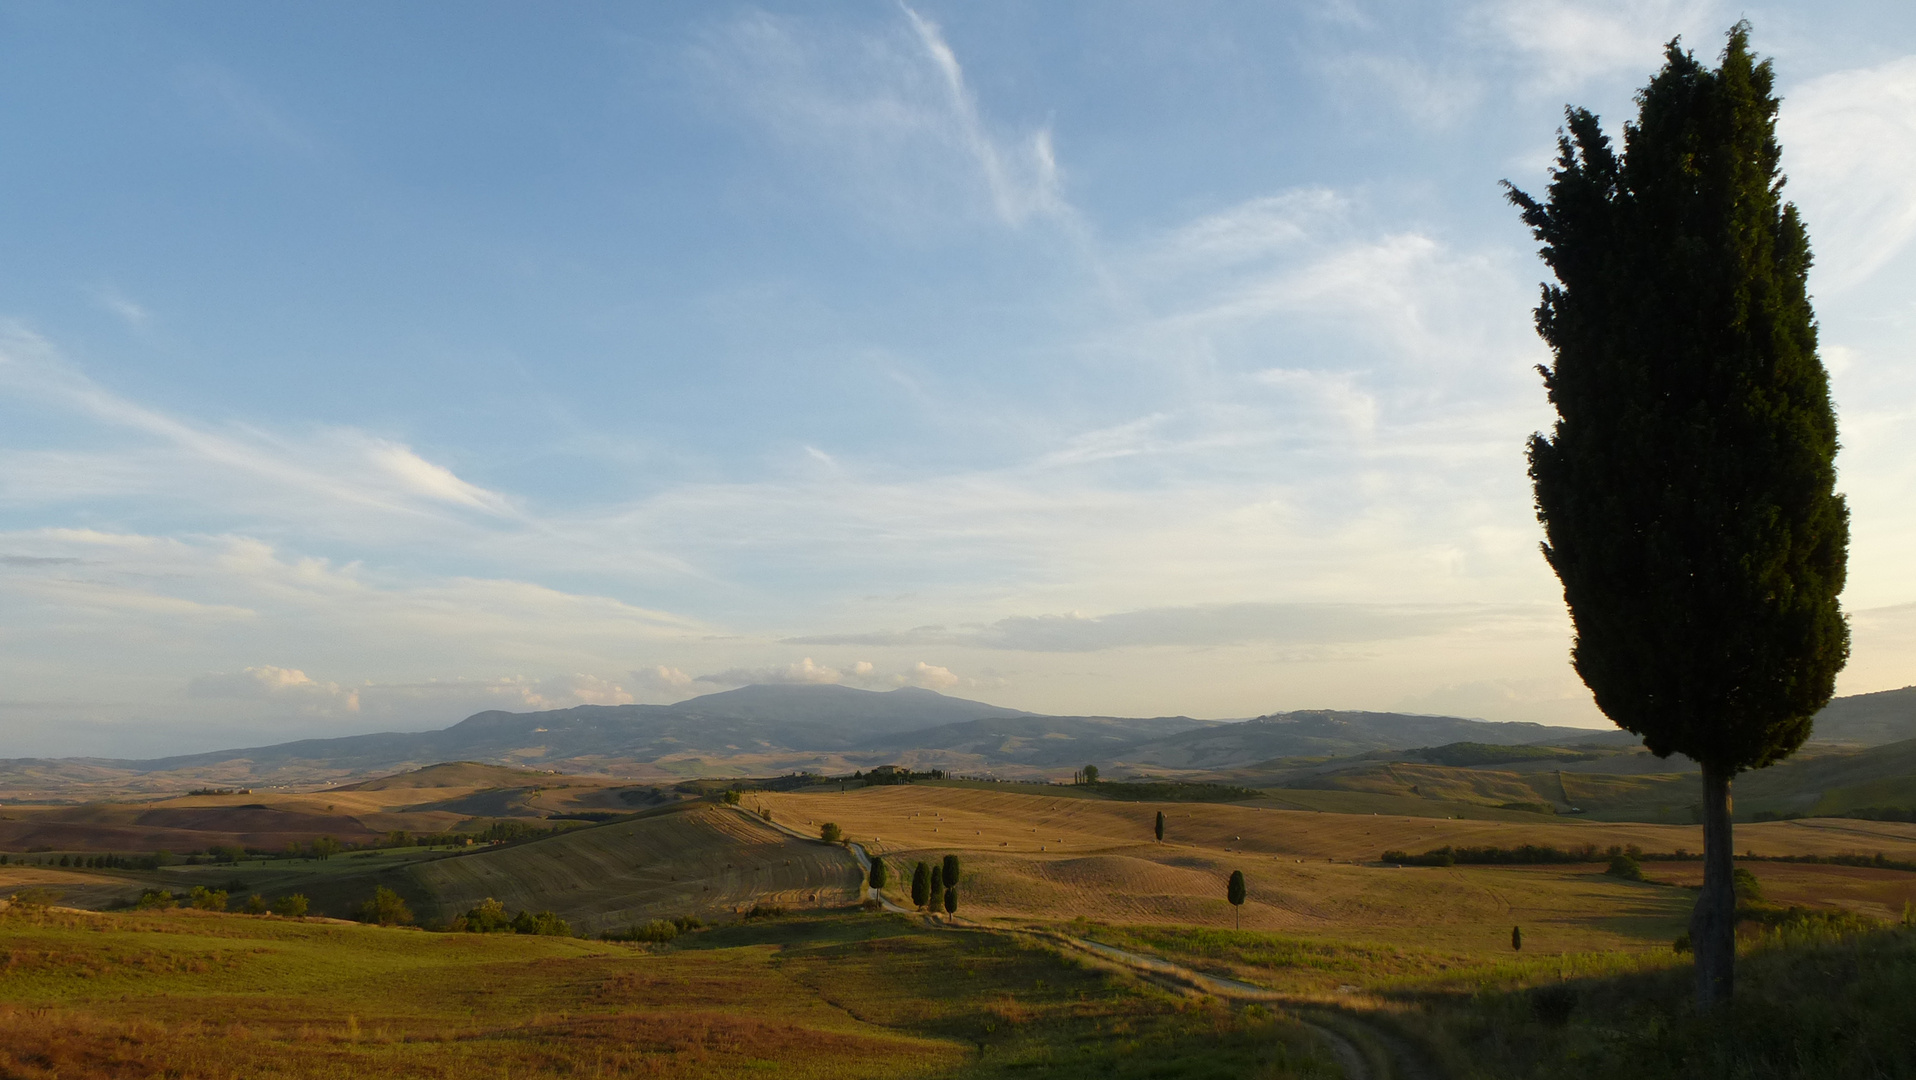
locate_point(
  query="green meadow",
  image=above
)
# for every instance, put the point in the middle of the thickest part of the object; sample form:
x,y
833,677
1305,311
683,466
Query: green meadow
x,y
187,993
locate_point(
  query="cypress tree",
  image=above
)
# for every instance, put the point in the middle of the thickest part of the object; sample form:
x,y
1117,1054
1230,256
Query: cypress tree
x,y
951,901
1160,826
879,876
920,885
1234,892
937,882
1516,938
1687,490
951,871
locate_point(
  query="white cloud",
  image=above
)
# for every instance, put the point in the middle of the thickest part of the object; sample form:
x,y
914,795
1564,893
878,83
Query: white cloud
x,y
135,315
1849,147
1204,626
277,684
335,481
802,673
1024,179
889,116
662,679
928,676
422,477
1569,42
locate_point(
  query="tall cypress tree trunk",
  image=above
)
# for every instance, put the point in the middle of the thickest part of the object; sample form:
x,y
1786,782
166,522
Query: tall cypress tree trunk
x,y
1713,921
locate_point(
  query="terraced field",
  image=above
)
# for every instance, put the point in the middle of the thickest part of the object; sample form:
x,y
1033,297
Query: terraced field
x,y
702,861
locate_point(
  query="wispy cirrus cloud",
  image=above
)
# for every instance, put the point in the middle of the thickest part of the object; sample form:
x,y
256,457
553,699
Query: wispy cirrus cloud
x,y
1203,626
328,471
1850,141
890,112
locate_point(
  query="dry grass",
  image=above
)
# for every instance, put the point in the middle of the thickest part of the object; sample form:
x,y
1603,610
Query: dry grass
x,y
1879,894
186,994
701,861
434,799
1046,858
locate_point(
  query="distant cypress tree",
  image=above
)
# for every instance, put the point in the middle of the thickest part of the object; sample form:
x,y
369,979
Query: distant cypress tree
x,y
1160,828
1234,892
879,875
937,882
1516,938
951,871
920,885
951,901
1687,491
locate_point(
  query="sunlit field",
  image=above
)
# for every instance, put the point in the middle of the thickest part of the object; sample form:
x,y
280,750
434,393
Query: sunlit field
x,y
201,994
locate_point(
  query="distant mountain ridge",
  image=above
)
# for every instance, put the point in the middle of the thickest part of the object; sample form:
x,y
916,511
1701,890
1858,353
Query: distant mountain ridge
x,y
760,730
1886,716
1336,733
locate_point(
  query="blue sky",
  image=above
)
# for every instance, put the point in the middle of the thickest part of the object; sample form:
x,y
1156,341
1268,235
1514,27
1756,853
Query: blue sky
x,y
362,366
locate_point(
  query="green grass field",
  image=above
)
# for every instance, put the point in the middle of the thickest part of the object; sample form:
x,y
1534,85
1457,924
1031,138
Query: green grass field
x,y
195,994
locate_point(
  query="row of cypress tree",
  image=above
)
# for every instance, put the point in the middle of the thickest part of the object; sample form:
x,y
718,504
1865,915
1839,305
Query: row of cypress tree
x,y
933,885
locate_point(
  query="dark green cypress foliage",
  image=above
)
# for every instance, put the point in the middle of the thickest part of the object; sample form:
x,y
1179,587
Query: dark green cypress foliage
x,y
951,901
937,882
879,875
920,885
1516,938
951,871
1160,826
1234,892
1687,491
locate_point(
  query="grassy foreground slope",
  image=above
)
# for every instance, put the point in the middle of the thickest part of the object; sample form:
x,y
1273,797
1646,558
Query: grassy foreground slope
x,y
700,860
192,994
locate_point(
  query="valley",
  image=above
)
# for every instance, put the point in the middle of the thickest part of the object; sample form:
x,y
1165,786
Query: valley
x,y
695,927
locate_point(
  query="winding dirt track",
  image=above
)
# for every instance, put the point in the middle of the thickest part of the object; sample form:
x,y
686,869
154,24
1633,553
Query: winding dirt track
x,y
1356,1065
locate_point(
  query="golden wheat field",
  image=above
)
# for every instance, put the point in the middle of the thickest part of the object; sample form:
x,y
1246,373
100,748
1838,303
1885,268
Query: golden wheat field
x,y
433,799
1046,857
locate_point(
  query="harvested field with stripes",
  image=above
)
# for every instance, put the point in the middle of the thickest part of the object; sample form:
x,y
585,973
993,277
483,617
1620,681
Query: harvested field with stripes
x,y
702,860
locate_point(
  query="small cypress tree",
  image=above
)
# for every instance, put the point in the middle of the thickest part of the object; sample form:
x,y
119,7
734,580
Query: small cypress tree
x,y
951,901
937,882
1516,938
1234,892
879,875
920,885
1160,827
951,871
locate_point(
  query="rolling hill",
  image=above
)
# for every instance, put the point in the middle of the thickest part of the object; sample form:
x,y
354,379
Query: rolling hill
x,y
769,730
696,860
